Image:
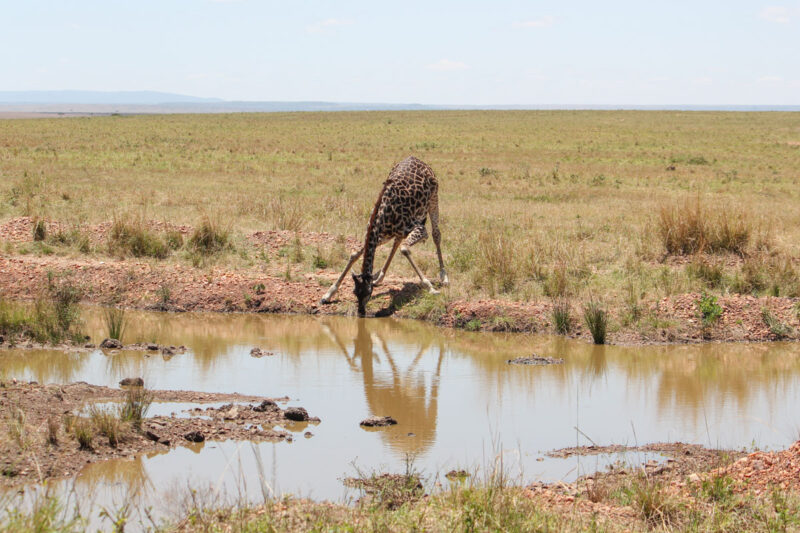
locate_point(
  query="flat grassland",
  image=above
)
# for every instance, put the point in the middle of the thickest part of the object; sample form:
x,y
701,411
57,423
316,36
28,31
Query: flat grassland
x,y
632,210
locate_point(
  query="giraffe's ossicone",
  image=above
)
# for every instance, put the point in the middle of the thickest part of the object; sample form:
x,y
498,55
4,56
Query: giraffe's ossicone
x,y
410,195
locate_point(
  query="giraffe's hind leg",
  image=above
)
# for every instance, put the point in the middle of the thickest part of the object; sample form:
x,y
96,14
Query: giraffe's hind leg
x,y
433,212
379,277
418,234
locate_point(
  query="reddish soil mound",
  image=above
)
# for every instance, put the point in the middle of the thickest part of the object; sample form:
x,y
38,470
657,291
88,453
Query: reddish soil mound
x,y
764,471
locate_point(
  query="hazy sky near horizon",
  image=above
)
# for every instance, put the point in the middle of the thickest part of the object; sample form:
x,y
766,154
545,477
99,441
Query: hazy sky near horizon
x,y
445,52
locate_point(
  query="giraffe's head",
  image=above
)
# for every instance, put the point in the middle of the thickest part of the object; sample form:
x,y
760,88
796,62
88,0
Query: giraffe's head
x,y
362,290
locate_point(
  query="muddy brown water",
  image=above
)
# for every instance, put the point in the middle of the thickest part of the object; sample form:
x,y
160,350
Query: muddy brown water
x,y
457,402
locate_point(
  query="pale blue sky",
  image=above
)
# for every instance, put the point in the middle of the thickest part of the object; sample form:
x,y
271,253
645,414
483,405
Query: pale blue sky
x,y
449,52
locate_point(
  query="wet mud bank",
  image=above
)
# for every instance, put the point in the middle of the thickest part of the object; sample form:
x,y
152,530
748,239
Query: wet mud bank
x,y
53,431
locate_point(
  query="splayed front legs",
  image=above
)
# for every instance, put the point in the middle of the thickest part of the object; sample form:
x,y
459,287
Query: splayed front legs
x,y
335,287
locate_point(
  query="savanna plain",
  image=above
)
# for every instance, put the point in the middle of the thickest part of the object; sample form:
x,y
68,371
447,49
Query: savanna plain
x,y
621,227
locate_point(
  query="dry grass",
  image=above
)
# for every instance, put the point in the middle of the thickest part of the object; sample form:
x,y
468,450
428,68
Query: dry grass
x,y
533,204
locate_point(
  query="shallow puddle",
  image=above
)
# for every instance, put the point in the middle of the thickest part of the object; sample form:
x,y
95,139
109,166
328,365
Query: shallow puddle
x,y
457,402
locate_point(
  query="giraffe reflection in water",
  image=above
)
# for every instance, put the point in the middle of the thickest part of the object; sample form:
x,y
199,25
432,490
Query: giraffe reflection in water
x,y
408,392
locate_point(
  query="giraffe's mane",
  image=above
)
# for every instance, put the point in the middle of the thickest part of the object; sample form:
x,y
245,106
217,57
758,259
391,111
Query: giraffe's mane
x,y
374,214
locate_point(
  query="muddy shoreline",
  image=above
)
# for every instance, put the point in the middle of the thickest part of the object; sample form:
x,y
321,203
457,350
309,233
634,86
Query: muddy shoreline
x,y
40,422
167,285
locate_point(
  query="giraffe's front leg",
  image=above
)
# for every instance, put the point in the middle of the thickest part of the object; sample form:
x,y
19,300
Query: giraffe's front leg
x,y
335,287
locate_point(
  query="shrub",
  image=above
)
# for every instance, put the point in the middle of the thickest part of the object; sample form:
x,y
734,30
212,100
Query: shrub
x,y
776,327
132,237
596,318
561,316
709,309
209,237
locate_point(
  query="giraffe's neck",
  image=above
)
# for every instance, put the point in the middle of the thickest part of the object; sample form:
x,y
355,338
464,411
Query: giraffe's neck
x,y
370,245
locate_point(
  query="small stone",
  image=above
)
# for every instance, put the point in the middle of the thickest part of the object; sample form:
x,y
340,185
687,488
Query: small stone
x,y
265,406
168,350
378,421
89,346
132,382
298,414
258,352
194,436
152,346
111,344
693,478
308,434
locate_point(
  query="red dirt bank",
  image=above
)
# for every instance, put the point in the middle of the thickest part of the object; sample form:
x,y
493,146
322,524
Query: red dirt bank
x,y
136,283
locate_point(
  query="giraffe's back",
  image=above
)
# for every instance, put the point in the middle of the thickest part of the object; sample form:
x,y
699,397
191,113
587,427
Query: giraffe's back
x,y
410,187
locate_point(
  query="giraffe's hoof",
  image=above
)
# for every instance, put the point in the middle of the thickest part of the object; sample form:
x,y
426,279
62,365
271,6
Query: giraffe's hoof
x,y
324,301
434,291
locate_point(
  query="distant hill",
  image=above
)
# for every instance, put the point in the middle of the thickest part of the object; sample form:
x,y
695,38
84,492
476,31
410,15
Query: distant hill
x,y
153,102
99,98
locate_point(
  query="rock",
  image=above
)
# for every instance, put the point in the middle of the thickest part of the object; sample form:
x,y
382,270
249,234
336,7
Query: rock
x,y
693,478
454,475
298,414
152,346
194,436
168,350
111,344
258,352
535,360
152,436
266,405
671,167
2,339
308,434
378,421
89,346
132,382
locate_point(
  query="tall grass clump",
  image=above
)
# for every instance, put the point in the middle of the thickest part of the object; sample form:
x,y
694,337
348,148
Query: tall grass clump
x,y
39,229
210,237
55,315
116,322
137,403
84,433
595,317
73,237
691,228
496,268
130,236
562,320
108,424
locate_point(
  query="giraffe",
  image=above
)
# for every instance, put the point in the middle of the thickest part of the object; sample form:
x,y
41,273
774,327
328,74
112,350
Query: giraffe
x,y
409,196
